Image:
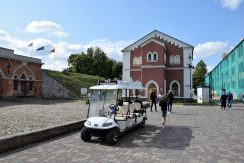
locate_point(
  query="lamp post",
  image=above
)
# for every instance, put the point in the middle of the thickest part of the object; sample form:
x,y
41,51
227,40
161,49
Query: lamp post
x,y
190,67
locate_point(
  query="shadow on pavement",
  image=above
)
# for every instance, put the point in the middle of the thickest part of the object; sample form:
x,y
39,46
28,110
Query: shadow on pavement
x,y
168,137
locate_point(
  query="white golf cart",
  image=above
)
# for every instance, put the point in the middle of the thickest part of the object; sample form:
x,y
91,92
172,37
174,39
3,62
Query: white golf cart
x,y
110,114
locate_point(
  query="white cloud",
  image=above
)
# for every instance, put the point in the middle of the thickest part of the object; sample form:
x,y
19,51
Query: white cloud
x,y
113,49
210,48
46,26
231,4
210,68
63,49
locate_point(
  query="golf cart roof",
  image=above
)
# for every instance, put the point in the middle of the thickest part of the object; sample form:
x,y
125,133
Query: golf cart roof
x,y
120,85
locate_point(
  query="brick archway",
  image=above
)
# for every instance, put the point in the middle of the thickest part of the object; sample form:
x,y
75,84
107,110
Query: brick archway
x,y
151,85
23,69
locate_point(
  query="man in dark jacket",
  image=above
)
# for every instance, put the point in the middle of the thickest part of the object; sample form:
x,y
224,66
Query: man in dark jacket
x,y
229,99
153,97
223,99
170,98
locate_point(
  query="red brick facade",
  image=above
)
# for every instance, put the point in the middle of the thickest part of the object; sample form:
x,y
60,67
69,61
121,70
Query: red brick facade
x,y
158,63
19,75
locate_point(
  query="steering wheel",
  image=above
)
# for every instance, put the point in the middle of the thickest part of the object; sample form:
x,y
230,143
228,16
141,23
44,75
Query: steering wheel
x,y
113,107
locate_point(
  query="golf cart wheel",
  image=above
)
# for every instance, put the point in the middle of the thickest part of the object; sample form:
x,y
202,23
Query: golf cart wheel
x,y
112,137
85,134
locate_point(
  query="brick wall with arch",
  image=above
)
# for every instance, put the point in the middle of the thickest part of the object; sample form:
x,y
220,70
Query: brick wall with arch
x,y
19,75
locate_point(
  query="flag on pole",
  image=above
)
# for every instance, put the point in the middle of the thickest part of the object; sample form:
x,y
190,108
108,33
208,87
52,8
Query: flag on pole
x,y
52,51
31,44
41,48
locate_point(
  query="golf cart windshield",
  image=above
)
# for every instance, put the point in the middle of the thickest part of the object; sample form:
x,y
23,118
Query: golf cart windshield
x,y
102,103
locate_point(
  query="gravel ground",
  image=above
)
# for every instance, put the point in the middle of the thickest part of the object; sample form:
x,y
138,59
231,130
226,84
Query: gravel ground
x,y
25,115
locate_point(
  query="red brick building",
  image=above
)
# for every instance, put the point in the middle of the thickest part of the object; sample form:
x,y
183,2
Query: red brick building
x,y
159,62
19,75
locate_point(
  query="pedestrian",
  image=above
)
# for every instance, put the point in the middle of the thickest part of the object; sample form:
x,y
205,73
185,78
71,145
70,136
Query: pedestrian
x,y
159,97
229,99
170,98
223,99
163,104
153,97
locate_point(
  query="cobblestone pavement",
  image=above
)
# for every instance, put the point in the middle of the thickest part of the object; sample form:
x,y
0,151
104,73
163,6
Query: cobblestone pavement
x,y
194,134
28,114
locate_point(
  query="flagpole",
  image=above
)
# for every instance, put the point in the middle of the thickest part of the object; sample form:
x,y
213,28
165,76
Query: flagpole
x,y
54,61
43,57
32,51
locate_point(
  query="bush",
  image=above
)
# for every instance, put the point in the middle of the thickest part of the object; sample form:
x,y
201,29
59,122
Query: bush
x,y
67,71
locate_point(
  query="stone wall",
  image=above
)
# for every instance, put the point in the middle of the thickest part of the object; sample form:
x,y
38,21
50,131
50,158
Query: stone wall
x,y
51,88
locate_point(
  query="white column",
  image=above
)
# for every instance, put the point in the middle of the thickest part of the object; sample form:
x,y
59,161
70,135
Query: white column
x,y
126,69
187,51
126,66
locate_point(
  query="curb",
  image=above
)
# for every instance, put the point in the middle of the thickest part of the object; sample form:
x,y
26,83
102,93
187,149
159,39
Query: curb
x,y
17,141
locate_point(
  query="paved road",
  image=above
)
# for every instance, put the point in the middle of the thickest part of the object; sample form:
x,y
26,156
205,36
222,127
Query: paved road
x,y
193,134
23,115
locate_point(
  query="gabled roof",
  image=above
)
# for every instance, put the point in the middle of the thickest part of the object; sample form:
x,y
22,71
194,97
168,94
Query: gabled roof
x,y
155,34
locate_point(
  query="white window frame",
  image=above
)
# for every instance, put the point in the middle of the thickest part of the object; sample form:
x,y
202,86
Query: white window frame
x,y
152,56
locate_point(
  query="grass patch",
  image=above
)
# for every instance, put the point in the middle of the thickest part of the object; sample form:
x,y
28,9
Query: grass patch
x,y
74,81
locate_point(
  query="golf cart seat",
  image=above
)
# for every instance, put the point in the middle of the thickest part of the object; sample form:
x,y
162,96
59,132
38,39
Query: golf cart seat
x,y
122,112
137,108
132,110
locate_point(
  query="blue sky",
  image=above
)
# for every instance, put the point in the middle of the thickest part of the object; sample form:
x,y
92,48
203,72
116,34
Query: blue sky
x,y
211,26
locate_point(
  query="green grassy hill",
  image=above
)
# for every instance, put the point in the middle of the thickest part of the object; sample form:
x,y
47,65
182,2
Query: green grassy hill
x,y
74,81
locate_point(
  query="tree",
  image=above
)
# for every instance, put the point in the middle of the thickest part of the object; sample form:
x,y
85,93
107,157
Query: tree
x,y
71,61
199,74
95,62
224,55
117,70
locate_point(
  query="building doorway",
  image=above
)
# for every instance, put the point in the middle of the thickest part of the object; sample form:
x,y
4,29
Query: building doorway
x,y
23,86
150,88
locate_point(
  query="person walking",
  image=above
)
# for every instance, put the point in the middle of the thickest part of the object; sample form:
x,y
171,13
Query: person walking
x,y
229,99
170,98
153,97
223,99
163,104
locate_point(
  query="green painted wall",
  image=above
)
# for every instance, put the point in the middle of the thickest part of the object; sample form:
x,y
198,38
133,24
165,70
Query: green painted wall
x,y
228,74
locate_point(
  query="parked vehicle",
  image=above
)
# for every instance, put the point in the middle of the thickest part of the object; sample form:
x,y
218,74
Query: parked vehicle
x,y
110,114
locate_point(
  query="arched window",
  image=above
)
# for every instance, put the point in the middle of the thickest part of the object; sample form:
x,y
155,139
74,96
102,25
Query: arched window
x,y
171,59
177,59
135,61
174,59
175,89
155,56
139,60
23,76
149,56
